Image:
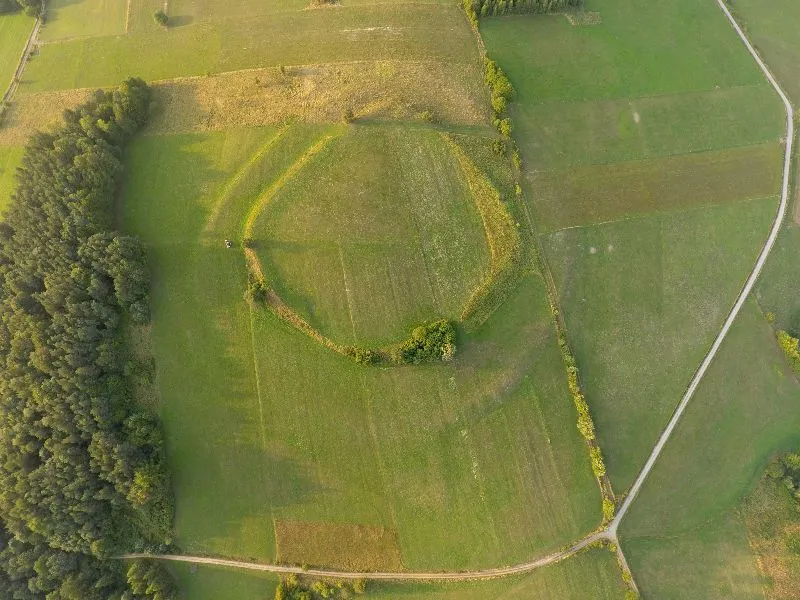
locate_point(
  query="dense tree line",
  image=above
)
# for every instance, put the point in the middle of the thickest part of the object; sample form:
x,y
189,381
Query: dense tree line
x,y
32,7
82,469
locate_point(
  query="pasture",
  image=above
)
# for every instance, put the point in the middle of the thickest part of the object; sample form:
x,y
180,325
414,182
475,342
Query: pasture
x,y
601,193
371,32
641,297
688,517
473,463
645,168
14,31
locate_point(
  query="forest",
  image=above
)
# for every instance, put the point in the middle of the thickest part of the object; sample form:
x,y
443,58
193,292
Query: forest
x,y
83,474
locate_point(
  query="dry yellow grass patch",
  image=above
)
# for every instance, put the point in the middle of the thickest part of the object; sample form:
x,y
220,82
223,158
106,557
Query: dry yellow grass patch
x,y
338,545
451,93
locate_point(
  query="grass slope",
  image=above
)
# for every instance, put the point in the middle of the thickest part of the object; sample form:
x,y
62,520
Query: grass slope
x,y
475,463
687,518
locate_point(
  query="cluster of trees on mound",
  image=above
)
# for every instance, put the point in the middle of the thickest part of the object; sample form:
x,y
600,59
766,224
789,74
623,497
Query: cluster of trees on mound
x,y
82,467
429,343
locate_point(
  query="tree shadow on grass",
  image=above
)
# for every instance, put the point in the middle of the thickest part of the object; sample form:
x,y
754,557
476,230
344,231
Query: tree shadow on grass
x,y
180,21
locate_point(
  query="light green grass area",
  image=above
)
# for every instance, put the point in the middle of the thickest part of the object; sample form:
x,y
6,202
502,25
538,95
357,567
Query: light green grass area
x,y
644,299
403,32
14,31
641,49
687,518
83,18
559,134
474,463
10,159
382,224
593,574
601,193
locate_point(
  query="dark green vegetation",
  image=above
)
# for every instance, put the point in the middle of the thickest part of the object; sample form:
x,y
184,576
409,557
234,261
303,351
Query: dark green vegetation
x,y
430,343
83,472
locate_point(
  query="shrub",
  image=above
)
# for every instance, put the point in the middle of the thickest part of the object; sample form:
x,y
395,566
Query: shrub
x,y
608,509
789,345
431,342
161,18
427,116
348,116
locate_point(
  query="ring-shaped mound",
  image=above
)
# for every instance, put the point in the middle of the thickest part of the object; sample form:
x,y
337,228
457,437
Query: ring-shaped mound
x,y
374,232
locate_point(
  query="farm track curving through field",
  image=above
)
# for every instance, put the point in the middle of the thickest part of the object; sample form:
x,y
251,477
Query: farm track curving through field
x,y
609,534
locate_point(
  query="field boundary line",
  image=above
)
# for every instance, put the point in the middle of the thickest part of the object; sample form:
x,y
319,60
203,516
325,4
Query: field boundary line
x,y
743,294
23,60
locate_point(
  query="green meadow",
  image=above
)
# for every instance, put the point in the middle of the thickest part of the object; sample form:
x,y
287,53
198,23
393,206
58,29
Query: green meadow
x,y
472,463
652,164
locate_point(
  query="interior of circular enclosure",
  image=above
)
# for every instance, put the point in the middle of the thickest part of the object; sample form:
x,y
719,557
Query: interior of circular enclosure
x,y
375,235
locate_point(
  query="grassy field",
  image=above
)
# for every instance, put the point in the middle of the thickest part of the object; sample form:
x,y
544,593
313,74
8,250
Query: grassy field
x,y
396,240
473,463
642,296
14,31
646,168
594,572
83,18
602,193
688,518
371,32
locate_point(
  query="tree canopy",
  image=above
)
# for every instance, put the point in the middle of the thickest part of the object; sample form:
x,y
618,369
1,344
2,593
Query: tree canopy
x,y
82,468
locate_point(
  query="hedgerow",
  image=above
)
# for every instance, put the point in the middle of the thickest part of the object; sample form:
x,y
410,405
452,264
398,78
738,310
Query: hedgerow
x,y
487,8
82,468
791,347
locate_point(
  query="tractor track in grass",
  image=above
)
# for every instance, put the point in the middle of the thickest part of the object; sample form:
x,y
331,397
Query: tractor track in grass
x,y
609,534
